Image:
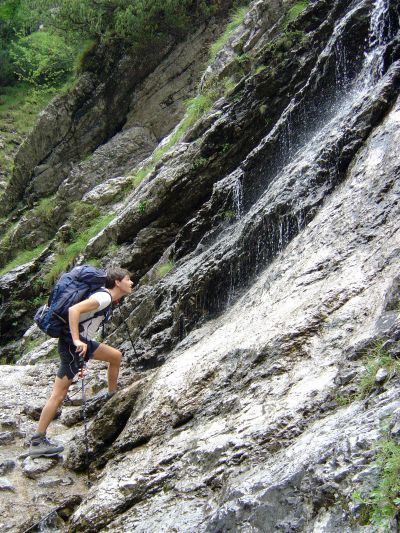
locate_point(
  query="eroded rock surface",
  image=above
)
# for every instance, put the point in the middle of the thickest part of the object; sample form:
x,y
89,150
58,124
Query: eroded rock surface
x,y
278,217
241,427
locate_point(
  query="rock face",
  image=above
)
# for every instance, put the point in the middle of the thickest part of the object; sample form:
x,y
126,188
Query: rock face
x,y
276,219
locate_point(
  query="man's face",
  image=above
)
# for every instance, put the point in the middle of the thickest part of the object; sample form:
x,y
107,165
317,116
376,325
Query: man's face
x,y
125,284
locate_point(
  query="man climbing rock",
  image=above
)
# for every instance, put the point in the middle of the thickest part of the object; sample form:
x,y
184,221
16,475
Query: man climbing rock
x,y
76,345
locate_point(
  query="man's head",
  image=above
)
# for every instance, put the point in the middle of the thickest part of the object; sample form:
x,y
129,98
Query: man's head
x,y
115,274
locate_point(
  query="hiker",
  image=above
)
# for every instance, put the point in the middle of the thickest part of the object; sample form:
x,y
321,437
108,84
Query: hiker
x,y
75,346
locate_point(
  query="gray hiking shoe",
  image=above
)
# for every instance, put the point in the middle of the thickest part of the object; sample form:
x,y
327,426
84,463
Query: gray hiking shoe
x,y
41,446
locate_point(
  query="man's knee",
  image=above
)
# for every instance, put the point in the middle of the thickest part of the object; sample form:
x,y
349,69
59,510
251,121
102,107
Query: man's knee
x,y
118,357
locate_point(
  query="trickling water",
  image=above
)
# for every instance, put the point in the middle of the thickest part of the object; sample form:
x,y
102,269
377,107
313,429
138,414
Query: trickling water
x,y
379,34
346,88
342,74
309,159
238,198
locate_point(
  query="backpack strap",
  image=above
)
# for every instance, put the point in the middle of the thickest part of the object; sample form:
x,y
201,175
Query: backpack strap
x,y
106,312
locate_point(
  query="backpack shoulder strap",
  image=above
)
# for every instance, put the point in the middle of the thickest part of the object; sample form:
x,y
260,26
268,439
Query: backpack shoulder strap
x,y
106,312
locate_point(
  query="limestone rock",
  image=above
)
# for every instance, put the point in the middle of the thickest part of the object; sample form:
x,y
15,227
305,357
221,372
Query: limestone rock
x,y
34,467
6,485
53,481
46,350
381,376
6,437
6,466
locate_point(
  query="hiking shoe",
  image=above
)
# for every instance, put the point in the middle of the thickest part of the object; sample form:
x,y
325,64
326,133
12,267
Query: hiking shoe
x,y
41,446
101,396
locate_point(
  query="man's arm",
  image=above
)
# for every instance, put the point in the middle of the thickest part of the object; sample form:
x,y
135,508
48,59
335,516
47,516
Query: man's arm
x,y
74,314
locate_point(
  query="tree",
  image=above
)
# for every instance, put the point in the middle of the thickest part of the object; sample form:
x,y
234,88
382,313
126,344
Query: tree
x,y
42,58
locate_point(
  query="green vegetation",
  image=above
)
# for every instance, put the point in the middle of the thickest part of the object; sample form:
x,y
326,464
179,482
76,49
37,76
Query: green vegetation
x,y
195,108
42,59
236,20
142,206
294,12
375,358
31,345
383,503
23,257
199,163
286,42
44,211
67,254
229,215
260,69
19,107
82,215
164,269
229,86
31,47
137,23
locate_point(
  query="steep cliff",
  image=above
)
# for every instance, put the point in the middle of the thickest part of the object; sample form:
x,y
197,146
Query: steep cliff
x,y
265,247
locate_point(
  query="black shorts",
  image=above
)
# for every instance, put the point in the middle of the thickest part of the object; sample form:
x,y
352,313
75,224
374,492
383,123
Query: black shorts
x,y
70,359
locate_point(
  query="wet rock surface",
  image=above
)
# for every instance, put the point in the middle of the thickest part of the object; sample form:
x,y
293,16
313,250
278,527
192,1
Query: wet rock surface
x,y
241,426
33,487
239,406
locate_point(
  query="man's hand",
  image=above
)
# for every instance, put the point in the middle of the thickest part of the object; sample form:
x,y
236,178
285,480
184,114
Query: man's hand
x,y
81,348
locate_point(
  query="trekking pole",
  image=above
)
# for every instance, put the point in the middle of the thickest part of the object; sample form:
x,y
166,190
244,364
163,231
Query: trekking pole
x,y
127,329
82,376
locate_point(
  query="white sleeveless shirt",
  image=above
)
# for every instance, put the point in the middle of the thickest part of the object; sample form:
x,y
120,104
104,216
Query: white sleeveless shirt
x,y
88,323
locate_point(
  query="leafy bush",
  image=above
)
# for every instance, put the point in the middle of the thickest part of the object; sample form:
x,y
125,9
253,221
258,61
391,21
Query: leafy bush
x,y
42,58
139,23
7,76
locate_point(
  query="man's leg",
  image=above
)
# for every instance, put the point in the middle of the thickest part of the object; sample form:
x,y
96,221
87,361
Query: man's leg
x,y
40,445
113,357
60,389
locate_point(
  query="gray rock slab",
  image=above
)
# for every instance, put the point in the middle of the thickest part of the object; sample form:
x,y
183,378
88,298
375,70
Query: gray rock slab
x,y
6,485
6,437
6,466
55,481
34,467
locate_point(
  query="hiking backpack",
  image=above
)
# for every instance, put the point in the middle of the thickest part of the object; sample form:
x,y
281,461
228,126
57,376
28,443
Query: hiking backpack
x,y
71,288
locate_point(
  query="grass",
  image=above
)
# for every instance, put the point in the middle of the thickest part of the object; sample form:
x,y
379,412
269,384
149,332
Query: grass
x,y
19,109
66,255
195,108
236,20
23,257
376,358
383,502
294,12
20,106
164,269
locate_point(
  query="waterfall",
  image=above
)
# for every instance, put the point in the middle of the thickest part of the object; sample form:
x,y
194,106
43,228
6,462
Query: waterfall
x,y
238,197
303,158
379,34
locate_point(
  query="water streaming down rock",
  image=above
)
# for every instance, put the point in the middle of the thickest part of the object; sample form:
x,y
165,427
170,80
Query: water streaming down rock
x,y
240,429
280,186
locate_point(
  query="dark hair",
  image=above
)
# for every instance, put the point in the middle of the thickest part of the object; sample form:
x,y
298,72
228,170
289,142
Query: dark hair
x,y
114,274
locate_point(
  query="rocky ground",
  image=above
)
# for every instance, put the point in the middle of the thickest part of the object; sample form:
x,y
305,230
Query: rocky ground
x,y
241,404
